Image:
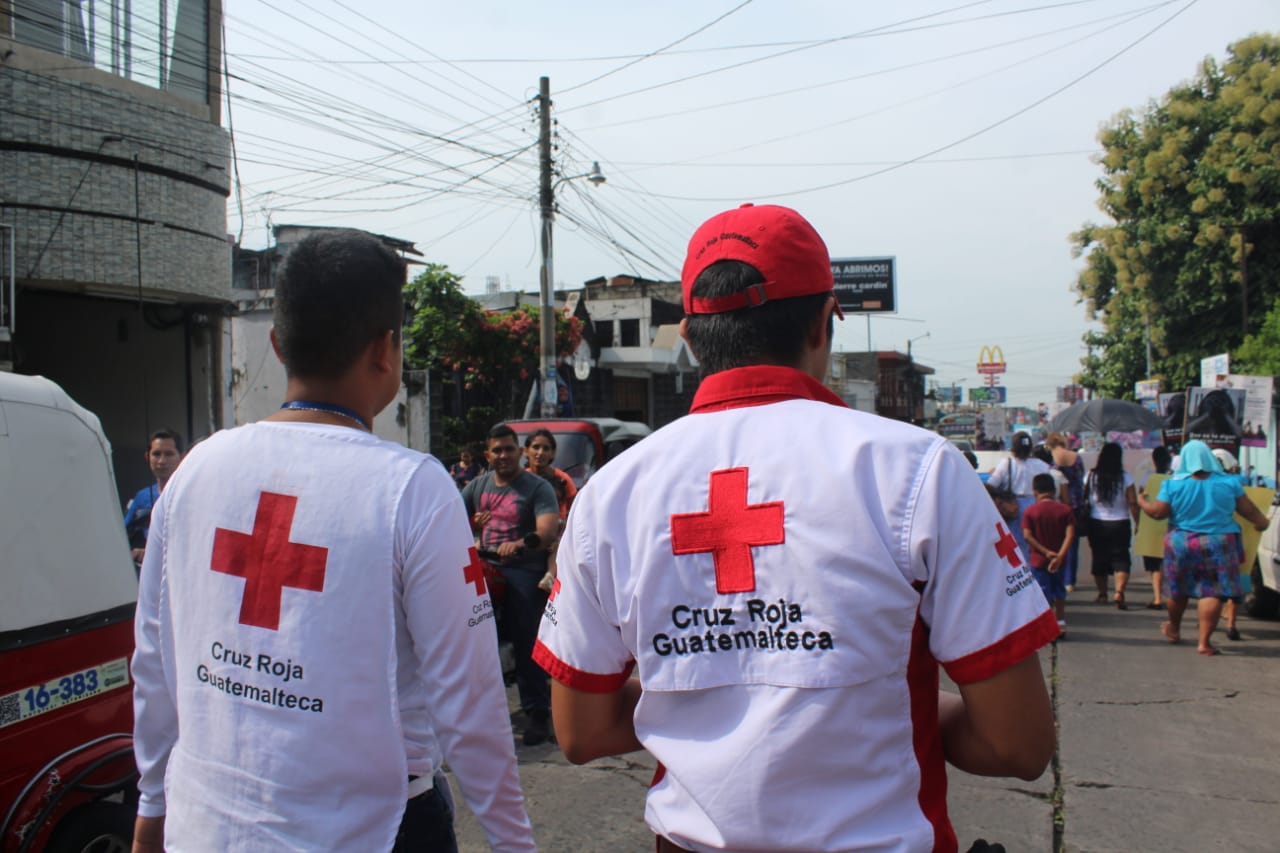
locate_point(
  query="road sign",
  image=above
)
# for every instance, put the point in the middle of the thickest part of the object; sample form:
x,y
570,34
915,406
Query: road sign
x,y
988,395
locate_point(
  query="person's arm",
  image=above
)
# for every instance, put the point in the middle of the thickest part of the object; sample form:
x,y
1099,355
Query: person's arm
x,y
1035,545
457,656
1251,513
594,725
155,709
1000,726
1131,498
1154,507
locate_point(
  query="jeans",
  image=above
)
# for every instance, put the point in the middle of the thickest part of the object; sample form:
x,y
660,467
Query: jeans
x,y
524,605
427,826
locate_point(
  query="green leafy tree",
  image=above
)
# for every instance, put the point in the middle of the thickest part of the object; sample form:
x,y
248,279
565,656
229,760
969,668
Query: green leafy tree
x,y
1259,355
493,352
1189,183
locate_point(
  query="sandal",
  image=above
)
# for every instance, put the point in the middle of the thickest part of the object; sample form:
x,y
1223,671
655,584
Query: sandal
x,y
1155,605
1170,633
1233,634
1120,605
1101,598
1209,651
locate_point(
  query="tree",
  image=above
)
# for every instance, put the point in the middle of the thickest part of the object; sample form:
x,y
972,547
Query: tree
x,y
1189,184
492,353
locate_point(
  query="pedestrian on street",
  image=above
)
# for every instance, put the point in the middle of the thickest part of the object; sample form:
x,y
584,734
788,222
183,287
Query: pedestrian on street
x,y
1162,461
164,452
506,504
1068,463
308,654
1202,548
1113,512
1016,472
1049,526
1230,607
783,574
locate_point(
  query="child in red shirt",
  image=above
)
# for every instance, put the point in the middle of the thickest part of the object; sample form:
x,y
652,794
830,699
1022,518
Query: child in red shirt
x,y
1049,527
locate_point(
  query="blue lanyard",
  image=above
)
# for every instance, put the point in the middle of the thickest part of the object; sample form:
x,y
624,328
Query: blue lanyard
x,y
329,408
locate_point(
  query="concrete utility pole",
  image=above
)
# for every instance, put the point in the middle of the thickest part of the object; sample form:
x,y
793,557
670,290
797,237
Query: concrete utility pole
x,y
546,203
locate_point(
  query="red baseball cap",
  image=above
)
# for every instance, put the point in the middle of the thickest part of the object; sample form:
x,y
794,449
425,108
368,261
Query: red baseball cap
x,y
778,242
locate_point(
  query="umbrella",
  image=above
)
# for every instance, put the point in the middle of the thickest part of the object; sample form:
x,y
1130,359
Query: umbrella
x,y
1105,416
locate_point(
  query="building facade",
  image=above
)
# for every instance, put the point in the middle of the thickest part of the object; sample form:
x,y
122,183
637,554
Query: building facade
x,y
114,175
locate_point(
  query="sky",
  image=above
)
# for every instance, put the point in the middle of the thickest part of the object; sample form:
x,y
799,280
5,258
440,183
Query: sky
x,y
959,137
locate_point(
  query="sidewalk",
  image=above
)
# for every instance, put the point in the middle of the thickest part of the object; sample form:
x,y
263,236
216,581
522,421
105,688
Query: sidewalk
x,y
1161,750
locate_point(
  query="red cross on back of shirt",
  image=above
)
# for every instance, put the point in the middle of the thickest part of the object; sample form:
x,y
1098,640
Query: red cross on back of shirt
x,y
729,529
268,561
1007,546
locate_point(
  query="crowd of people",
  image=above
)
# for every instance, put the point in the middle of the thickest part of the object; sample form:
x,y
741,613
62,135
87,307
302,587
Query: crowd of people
x,y
315,624
1044,492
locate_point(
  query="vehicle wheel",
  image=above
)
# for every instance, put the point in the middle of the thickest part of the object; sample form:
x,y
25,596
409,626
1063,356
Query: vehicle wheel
x,y
1261,603
99,827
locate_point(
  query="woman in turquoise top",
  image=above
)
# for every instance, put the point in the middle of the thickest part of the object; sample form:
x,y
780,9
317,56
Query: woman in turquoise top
x,y
1202,550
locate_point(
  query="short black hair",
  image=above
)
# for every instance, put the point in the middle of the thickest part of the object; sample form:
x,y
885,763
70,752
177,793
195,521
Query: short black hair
x,y
1042,484
772,333
500,431
166,433
339,291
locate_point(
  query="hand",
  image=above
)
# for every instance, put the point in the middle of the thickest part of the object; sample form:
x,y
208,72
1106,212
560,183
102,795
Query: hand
x,y
480,519
148,835
138,554
509,549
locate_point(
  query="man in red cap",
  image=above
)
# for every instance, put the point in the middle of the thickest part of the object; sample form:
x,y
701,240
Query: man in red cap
x,y
783,574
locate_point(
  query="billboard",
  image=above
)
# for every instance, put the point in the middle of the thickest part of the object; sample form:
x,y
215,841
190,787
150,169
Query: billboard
x,y
989,395
866,285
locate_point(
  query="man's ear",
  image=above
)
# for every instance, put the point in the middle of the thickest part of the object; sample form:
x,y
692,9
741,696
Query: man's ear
x,y
382,351
275,345
819,335
684,333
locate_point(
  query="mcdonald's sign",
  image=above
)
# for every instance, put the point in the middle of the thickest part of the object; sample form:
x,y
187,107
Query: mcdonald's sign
x,y
991,361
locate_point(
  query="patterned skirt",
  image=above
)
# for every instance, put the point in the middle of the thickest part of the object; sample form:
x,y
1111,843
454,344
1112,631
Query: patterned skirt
x,y
1202,565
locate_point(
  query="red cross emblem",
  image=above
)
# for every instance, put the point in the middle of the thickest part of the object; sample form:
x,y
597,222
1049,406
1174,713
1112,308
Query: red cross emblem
x,y
473,572
1007,546
555,589
729,529
268,561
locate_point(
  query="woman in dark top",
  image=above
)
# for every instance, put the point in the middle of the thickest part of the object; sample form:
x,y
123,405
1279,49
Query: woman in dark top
x,y
465,469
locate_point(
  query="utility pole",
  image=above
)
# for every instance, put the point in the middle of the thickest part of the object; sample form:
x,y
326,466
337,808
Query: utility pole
x,y
546,203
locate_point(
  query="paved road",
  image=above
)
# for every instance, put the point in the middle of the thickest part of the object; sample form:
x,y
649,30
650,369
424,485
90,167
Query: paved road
x,y
1160,750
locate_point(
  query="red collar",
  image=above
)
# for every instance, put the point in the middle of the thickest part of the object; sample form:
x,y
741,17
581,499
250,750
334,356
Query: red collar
x,y
758,385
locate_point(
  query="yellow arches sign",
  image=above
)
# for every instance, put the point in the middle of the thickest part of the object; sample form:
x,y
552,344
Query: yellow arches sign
x,y
991,361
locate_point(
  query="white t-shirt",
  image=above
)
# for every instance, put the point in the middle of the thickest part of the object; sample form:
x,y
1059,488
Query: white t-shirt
x,y
310,634
1116,509
784,575
1016,475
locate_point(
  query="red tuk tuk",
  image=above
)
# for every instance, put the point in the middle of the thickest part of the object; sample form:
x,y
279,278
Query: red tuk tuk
x,y
67,593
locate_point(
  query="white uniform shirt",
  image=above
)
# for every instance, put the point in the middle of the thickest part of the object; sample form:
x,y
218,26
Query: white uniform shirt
x,y
312,630
784,575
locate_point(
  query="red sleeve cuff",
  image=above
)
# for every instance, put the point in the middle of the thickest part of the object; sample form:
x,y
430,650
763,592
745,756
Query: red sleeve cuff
x,y
1004,653
588,682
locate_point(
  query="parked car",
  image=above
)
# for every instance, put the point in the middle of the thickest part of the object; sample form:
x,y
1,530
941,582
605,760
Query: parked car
x,y
67,594
584,444
1264,601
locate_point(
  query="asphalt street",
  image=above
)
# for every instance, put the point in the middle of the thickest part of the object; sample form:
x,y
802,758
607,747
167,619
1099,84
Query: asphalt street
x,y
1160,749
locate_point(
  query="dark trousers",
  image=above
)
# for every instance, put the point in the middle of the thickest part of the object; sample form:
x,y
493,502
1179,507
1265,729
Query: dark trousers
x,y
427,826
523,608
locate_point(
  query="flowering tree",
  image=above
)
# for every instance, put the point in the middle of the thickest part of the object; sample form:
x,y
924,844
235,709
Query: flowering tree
x,y
493,351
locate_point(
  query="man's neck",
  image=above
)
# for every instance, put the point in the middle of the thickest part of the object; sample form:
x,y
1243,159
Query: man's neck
x,y
499,480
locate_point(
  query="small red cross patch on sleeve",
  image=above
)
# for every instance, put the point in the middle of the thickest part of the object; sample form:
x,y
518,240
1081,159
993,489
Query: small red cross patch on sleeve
x,y
729,529
473,572
1007,546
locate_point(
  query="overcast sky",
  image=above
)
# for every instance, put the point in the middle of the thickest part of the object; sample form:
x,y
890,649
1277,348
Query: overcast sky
x,y
957,136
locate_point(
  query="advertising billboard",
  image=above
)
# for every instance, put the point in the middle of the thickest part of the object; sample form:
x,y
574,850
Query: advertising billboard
x,y
866,285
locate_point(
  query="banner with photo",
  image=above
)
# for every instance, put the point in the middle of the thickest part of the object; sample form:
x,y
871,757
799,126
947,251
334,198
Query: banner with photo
x,y
1214,417
1173,408
1257,407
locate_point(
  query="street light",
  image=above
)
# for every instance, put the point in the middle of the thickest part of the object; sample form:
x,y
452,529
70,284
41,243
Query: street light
x,y
546,198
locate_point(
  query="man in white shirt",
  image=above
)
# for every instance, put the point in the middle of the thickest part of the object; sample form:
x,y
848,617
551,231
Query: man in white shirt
x,y
783,575
312,641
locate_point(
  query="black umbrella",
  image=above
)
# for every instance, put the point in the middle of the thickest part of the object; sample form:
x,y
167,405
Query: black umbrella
x,y
1105,416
